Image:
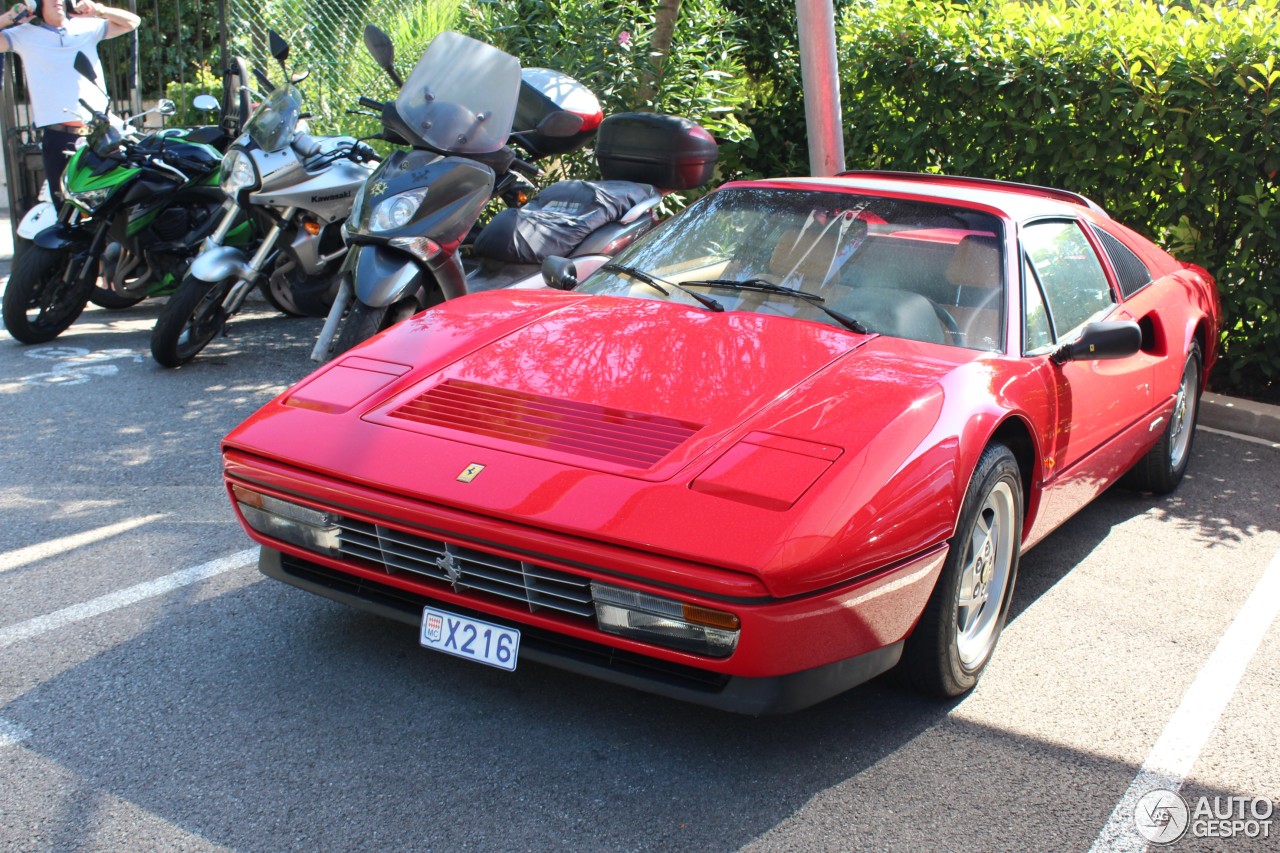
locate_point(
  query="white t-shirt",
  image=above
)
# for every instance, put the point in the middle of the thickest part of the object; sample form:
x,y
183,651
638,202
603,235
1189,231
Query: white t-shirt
x,y
48,56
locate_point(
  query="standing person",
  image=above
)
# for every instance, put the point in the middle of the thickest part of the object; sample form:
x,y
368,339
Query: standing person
x,y
48,46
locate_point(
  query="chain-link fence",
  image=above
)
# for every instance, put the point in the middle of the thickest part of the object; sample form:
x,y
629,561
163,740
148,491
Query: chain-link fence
x,y
177,50
326,41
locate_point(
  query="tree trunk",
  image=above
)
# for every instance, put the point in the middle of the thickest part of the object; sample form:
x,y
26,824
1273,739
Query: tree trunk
x,y
664,28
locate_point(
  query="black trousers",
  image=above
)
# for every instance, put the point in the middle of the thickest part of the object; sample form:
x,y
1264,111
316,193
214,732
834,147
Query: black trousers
x,y
56,149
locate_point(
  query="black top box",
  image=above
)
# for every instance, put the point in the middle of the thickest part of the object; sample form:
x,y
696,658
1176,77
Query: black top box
x,y
669,152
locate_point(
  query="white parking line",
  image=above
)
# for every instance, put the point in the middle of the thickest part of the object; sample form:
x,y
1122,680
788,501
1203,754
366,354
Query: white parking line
x,y
1175,753
11,733
123,598
1253,439
32,553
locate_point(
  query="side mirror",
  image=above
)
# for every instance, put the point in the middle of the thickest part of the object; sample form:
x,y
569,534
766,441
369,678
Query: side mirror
x,y
279,47
206,103
84,67
559,273
383,51
166,107
1107,339
560,124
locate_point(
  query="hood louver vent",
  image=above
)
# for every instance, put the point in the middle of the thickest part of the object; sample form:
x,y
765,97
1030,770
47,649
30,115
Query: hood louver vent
x,y
582,429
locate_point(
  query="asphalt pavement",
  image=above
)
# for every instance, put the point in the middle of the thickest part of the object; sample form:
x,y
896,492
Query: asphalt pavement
x,y
157,693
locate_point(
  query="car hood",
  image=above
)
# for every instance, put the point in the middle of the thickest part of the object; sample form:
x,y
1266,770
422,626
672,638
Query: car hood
x,y
635,387
800,453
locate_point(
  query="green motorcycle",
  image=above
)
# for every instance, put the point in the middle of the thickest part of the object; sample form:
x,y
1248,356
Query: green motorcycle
x,y
135,209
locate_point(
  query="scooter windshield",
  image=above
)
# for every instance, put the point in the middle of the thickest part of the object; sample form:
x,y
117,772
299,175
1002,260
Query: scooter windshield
x,y
272,124
461,97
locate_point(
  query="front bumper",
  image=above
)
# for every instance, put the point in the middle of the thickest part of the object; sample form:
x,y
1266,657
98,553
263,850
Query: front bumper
x,y
792,651
740,694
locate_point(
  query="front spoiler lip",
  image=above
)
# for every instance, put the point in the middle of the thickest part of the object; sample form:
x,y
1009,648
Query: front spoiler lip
x,y
736,693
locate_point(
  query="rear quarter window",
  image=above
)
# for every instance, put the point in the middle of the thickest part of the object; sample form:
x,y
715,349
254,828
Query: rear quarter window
x,y
1132,274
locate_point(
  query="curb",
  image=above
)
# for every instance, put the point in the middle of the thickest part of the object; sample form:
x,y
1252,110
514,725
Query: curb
x,y
1245,417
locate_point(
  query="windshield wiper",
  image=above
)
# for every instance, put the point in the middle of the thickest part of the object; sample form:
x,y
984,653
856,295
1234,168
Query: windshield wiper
x,y
656,283
759,285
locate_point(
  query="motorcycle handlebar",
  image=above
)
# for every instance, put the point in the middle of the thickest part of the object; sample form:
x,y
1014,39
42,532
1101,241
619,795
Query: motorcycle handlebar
x,y
264,80
525,168
364,153
370,103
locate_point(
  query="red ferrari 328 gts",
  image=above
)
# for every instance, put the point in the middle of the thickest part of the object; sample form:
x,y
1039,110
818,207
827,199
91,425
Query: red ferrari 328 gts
x,y
797,436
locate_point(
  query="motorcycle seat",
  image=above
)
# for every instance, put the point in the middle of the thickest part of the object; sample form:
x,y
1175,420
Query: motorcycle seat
x,y
558,219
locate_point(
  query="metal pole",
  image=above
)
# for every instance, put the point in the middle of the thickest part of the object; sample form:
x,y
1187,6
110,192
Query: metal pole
x,y
820,74
135,75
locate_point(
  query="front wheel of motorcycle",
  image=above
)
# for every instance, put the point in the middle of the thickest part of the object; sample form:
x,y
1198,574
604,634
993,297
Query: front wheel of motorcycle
x,y
191,318
364,321
39,304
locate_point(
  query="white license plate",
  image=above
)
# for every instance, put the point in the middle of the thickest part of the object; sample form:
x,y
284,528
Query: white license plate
x,y
479,641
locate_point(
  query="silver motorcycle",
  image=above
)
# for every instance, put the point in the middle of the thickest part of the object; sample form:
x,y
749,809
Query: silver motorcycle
x,y
293,188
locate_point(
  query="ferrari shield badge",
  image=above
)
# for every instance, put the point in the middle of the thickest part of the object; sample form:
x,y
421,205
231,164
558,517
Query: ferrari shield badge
x,y
470,472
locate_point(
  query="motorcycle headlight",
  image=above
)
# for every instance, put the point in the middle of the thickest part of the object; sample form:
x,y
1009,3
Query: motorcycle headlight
x,y
395,212
89,199
238,172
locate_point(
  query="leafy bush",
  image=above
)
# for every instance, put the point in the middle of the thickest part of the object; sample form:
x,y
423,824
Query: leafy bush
x,y
1165,116
604,45
775,111
201,81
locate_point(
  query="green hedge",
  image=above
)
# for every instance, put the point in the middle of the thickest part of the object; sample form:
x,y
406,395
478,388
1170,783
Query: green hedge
x,y
604,45
1165,116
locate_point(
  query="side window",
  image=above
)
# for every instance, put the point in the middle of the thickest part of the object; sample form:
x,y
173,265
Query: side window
x,y
1070,274
1131,272
1037,332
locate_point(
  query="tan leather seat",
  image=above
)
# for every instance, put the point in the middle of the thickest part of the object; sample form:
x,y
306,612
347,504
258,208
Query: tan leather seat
x,y
975,272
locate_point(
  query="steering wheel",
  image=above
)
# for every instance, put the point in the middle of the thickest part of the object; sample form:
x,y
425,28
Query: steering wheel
x,y
949,324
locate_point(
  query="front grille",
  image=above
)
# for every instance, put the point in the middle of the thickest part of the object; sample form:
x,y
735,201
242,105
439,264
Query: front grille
x,y
539,643
626,438
466,569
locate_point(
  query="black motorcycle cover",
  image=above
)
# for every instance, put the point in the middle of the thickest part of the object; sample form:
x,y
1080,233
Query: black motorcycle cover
x,y
557,220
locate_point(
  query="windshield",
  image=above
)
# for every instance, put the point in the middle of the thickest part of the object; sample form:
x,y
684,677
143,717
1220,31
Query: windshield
x,y
928,272
461,97
272,124
105,139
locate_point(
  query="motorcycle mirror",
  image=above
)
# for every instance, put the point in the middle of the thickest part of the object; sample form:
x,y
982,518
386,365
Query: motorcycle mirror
x,y
560,124
206,103
559,273
279,47
382,50
166,107
85,67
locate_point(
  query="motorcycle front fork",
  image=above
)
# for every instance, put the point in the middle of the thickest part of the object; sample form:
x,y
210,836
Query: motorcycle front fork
x,y
253,269
341,300
230,216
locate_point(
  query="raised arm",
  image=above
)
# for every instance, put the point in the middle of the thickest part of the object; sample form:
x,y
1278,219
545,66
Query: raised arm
x,y
119,21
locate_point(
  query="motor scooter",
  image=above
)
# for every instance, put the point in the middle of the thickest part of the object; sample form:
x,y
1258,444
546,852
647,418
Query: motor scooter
x,y
411,228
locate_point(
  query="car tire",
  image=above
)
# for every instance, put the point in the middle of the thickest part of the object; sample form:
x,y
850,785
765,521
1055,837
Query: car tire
x,y
961,623
1161,470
